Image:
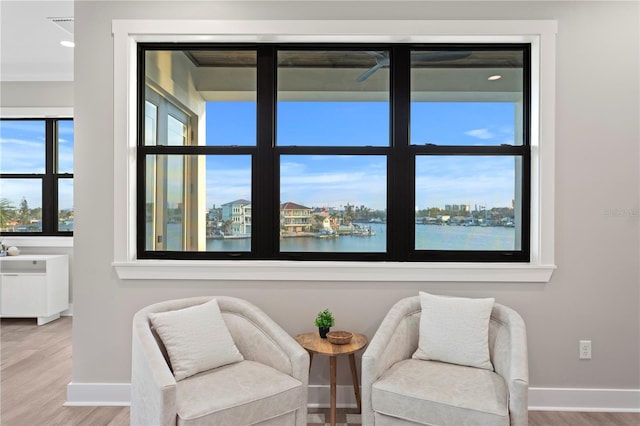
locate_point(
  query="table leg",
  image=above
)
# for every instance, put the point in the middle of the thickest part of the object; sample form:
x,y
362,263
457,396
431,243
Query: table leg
x,y
310,360
333,368
354,378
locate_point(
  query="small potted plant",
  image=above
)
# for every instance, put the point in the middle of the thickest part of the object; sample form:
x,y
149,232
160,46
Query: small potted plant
x,y
324,321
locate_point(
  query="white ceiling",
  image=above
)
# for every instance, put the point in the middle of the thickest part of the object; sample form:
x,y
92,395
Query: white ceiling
x,y
30,48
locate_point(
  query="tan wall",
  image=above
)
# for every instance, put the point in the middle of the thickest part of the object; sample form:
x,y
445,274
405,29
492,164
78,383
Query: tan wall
x,y
594,294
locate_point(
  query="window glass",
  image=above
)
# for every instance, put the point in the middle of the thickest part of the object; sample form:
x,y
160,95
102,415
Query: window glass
x,y
333,203
229,214
467,203
468,98
333,98
21,205
65,205
176,186
22,146
65,146
231,123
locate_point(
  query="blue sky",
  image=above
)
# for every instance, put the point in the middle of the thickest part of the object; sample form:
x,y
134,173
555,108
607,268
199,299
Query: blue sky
x,y
334,181
22,150
315,181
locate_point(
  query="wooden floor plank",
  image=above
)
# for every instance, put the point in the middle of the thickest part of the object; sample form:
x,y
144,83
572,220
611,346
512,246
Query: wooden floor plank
x,y
36,368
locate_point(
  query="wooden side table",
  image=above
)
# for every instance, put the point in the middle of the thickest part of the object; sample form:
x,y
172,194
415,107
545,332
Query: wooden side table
x,y
314,344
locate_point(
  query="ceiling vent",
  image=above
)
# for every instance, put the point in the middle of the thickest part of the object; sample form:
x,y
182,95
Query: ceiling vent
x,y
64,23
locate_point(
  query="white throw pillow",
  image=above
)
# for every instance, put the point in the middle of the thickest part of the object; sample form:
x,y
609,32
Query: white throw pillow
x,y
196,338
455,330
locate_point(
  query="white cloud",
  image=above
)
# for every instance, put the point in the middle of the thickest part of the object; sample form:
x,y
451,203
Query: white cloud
x,y
480,133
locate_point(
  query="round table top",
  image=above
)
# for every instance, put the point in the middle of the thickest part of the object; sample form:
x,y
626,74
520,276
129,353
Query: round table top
x,y
314,343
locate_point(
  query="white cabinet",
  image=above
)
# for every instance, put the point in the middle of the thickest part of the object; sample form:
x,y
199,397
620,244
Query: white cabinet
x,y
34,286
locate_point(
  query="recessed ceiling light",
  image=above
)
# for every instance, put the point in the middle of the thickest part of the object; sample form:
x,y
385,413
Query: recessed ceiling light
x,y
494,77
67,43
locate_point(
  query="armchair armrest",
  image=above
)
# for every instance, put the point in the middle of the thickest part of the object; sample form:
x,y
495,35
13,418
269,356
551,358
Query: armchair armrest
x,y
510,359
395,340
153,386
259,338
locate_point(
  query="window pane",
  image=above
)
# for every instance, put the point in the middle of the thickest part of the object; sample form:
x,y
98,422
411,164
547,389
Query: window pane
x,y
333,203
333,98
21,205
225,79
228,203
65,146
198,203
467,203
22,146
454,101
65,204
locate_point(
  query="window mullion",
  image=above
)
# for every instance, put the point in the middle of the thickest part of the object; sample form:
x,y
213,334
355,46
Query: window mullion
x,y
265,226
400,190
49,190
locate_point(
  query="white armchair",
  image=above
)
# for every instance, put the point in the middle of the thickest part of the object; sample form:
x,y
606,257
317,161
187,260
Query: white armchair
x,y
267,388
400,390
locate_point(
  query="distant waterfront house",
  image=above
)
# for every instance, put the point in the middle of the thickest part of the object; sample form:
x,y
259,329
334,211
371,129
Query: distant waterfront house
x,y
294,218
238,212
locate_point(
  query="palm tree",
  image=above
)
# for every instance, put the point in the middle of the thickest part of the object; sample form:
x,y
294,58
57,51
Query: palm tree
x,y
7,212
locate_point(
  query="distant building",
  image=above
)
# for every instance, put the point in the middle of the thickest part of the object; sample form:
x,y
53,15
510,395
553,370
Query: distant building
x,y
294,218
465,208
239,213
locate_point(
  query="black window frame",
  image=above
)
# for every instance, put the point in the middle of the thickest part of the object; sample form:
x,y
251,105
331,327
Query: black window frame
x,y
400,156
49,180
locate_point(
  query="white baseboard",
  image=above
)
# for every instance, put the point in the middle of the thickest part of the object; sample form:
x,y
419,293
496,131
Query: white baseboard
x,y
98,394
319,396
540,399
584,399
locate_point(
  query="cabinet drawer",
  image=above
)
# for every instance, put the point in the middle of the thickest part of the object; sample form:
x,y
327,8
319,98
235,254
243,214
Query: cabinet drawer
x,y
23,295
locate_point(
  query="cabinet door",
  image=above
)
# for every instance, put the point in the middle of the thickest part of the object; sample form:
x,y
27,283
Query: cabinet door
x,y
23,295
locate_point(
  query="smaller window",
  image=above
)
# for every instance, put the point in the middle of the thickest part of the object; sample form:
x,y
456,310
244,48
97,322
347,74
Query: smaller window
x,y
36,176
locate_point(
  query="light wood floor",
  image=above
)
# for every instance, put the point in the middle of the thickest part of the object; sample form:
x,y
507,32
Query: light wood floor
x,y
36,368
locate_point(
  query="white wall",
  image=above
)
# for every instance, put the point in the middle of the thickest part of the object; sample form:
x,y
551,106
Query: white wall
x,y
594,294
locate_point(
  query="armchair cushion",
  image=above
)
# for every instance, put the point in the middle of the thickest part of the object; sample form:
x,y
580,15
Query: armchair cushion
x,y
245,390
432,392
455,330
196,339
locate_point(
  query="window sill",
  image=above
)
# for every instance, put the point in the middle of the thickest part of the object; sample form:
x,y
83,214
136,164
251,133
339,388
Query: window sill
x,y
331,271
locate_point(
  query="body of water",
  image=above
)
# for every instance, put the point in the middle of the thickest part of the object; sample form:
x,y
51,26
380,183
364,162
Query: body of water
x,y
428,237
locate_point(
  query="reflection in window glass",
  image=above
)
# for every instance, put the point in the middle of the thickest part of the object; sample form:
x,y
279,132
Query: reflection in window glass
x,y
467,203
65,146
173,218
150,123
65,205
23,146
333,203
333,98
21,205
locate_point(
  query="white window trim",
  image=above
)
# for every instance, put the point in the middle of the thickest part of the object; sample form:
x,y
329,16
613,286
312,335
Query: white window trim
x,y
540,33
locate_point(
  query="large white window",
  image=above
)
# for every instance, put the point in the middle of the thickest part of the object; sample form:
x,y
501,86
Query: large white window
x,y
454,165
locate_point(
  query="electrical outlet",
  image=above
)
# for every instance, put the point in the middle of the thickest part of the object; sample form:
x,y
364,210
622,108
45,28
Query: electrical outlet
x,y
585,349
